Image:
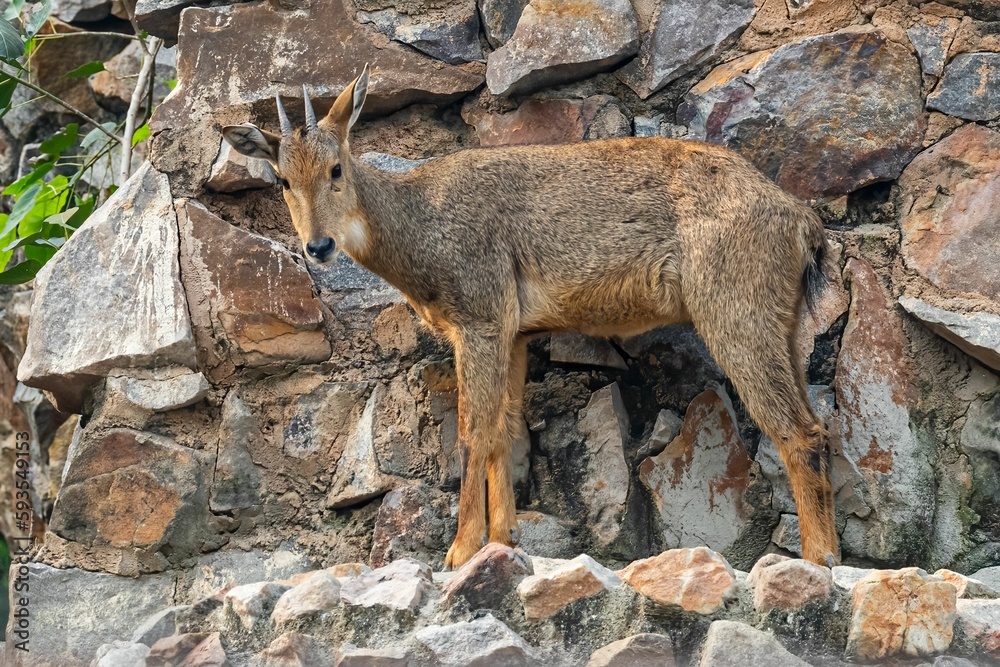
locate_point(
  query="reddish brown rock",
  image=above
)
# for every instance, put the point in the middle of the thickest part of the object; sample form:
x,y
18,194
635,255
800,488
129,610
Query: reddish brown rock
x,y
293,649
774,108
778,21
698,481
209,653
352,656
949,194
980,621
967,587
901,612
644,650
172,650
697,580
488,577
546,122
876,389
790,585
545,594
251,304
211,40
131,490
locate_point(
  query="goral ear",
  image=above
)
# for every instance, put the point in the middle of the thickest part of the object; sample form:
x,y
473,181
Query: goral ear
x,y
252,141
345,111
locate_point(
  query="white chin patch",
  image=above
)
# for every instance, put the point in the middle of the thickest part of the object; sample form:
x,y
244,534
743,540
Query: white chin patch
x,y
355,236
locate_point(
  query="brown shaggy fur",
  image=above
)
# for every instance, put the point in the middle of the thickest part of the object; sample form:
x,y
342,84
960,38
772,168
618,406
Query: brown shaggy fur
x,y
608,237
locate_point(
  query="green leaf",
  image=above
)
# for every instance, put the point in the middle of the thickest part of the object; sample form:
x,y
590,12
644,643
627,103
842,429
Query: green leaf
x,y
7,87
13,10
20,241
20,273
85,69
62,219
171,83
38,18
140,134
94,135
40,253
22,207
11,42
33,176
61,141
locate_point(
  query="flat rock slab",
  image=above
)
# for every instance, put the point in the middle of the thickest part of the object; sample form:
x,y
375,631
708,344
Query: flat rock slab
x,y
555,43
210,40
643,650
252,304
949,192
901,612
697,580
398,586
697,482
64,629
484,642
969,88
604,425
774,108
546,594
976,333
733,644
682,36
980,621
111,297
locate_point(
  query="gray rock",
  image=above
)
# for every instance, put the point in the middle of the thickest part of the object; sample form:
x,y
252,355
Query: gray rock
x,y
643,650
81,10
975,333
697,482
234,567
391,163
577,348
484,642
64,630
989,576
786,534
932,44
232,171
773,107
415,521
969,88
982,426
451,34
684,35
161,390
161,18
358,476
499,18
237,481
293,649
604,425
546,536
732,644
252,602
350,655
121,654
112,297
550,46
319,593
161,624
398,586
114,86
667,427
845,577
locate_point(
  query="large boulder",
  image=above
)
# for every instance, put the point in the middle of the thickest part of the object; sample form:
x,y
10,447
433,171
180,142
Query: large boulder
x,y
555,43
111,297
774,107
210,40
970,87
682,36
950,193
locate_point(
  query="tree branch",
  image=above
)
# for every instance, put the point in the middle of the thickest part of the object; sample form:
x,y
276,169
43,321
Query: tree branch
x,y
64,104
148,61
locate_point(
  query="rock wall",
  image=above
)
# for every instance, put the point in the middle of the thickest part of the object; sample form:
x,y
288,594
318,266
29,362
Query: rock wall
x,y
247,417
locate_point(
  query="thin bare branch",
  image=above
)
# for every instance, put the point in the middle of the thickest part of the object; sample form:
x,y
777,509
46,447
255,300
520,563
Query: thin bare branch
x,y
138,93
66,105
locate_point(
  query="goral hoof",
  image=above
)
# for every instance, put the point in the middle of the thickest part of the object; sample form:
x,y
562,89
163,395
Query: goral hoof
x,y
830,561
515,537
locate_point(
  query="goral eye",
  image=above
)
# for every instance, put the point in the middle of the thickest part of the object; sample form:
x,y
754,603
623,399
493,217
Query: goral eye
x,y
283,182
335,172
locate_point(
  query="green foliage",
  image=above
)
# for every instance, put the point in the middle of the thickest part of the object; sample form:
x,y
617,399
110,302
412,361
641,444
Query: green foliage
x,y
59,193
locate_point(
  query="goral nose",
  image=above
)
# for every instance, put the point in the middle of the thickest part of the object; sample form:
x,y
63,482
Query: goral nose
x,y
320,250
